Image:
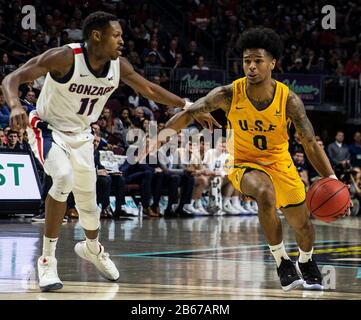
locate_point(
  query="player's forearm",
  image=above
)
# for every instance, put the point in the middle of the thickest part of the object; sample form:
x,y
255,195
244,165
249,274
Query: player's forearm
x,y
318,158
179,121
163,96
10,86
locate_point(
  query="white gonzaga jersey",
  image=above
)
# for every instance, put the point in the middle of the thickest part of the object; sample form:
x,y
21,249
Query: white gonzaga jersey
x,y
74,103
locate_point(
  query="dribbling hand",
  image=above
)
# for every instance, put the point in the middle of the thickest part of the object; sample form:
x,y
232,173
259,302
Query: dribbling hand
x,y
18,118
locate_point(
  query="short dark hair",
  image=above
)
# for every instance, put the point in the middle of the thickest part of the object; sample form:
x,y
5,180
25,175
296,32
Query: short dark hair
x,y
12,132
98,20
262,38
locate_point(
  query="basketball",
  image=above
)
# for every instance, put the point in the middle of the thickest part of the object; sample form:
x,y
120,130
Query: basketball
x,y
328,199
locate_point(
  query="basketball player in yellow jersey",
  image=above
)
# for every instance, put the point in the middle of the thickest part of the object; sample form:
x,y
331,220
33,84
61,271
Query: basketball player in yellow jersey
x,y
259,110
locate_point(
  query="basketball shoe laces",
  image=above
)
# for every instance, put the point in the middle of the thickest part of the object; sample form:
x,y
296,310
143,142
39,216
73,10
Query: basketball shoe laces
x,y
104,260
47,270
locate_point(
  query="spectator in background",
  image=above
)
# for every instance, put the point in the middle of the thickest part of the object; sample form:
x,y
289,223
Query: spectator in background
x,y
75,34
171,54
13,141
141,174
339,153
320,67
152,55
23,50
125,118
200,64
29,102
23,140
355,150
135,60
6,66
105,184
355,190
4,111
295,144
298,67
302,168
191,56
3,139
97,132
353,66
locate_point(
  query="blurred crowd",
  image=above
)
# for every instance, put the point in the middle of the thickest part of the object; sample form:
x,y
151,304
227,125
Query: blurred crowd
x,y
308,47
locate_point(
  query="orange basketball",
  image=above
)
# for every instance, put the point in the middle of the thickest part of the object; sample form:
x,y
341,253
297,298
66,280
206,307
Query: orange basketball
x,y
328,199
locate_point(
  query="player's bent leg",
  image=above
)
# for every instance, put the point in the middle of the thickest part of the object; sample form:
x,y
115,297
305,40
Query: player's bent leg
x,y
306,266
259,186
90,249
58,166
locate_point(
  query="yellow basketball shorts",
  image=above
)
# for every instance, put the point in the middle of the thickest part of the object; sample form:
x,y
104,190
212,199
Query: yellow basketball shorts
x,y
289,188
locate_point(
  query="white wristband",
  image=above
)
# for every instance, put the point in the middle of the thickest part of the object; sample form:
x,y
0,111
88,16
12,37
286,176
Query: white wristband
x,y
187,105
332,176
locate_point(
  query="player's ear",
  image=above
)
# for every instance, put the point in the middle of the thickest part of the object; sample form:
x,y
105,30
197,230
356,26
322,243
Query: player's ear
x,y
96,35
273,63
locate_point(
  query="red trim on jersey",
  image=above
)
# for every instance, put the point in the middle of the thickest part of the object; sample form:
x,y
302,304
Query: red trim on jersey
x,y
77,50
39,143
38,138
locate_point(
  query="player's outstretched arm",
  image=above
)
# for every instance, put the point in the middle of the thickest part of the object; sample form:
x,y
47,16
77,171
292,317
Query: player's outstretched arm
x,y
218,98
158,94
58,61
317,156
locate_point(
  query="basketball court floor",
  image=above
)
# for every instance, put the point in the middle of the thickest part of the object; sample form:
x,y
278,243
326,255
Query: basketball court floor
x,y
200,258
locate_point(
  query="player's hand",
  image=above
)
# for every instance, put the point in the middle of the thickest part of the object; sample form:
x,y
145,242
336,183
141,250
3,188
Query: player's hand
x,y
102,172
18,118
207,121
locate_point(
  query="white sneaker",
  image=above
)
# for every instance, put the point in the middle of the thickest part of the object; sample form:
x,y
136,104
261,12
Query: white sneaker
x,y
201,209
101,260
188,208
228,209
239,208
248,207
48,274
254,206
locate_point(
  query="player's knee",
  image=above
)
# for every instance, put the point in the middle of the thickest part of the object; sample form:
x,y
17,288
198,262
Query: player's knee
x,y
63,183
89,220
89,212
266,196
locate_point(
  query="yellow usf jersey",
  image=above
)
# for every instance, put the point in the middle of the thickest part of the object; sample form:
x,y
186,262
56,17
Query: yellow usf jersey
x,y
258,140
258,136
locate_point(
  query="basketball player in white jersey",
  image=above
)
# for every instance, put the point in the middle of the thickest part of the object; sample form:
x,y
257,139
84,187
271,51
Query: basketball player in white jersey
x,y
79,80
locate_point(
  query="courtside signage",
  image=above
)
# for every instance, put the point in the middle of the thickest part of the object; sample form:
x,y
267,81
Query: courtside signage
x,y
17,178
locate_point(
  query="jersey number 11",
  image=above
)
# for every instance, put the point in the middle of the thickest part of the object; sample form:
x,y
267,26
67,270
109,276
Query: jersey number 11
x,y
84,105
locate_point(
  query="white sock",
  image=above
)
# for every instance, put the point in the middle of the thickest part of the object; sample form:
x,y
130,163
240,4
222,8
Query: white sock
x,y
279,251
49,246
93,245
227,200
236,202
305,256
192,202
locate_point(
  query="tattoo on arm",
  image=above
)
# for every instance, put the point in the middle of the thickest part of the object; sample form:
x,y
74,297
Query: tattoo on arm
x,y
296,111
220,97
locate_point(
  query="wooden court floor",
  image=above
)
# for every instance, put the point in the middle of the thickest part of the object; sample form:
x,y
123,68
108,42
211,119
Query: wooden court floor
x,y
171,259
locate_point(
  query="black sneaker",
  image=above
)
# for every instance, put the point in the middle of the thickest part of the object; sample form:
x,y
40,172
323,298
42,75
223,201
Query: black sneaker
x,y
39,218
310,274
288,275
